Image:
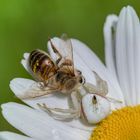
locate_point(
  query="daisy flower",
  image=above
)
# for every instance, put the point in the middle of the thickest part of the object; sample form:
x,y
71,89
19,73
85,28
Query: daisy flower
x,y
122,55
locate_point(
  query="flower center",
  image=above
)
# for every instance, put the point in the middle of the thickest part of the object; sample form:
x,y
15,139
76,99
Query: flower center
x,y
123,124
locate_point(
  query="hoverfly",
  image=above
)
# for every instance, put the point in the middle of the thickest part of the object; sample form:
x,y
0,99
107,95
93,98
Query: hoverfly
x,y
53,76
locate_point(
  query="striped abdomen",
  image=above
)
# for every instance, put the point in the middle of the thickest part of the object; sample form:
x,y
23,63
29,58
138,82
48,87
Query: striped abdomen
x,y
41,65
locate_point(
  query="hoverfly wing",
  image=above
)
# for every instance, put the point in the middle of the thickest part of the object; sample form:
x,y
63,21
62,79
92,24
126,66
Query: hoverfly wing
x,y
62,52
35,90
27,89
67,53
21,87
67,47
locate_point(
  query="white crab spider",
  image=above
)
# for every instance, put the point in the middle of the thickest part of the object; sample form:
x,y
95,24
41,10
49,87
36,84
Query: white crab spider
x,y
88,102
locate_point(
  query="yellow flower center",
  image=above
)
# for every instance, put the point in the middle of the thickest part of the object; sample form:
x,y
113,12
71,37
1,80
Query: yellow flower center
x,y
123,124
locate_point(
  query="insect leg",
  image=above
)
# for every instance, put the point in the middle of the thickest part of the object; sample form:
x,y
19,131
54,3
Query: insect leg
x,y
56,52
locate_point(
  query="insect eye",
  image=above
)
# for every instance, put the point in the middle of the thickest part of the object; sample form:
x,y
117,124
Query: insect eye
x,y
59,75
82,80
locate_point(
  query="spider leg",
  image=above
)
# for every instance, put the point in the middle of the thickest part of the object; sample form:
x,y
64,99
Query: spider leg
x,y
63,114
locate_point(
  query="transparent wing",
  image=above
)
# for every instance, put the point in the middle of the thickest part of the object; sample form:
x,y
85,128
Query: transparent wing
x,y
67,50
62,52
67,53
35,92
28,89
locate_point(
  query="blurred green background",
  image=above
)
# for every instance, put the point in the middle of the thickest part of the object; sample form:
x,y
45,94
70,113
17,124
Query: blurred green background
x,y
27,24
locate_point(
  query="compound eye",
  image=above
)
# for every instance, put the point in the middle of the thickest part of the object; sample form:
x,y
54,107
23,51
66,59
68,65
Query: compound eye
x,y
59,75
82,80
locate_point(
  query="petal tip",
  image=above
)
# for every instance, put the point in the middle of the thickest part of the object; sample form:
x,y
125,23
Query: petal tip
x,y
123,10
130,7
6,105
13,81
110,20
26,55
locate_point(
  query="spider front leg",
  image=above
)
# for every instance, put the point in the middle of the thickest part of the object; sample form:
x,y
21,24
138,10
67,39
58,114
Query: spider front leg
x,y
64,114
100,87
92,89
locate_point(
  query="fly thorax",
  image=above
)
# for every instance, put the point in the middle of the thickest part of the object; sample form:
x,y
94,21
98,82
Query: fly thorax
x,y
66,81
70,84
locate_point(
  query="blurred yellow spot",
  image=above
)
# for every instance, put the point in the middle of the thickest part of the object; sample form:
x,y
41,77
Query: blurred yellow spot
x,y
123,124
35,66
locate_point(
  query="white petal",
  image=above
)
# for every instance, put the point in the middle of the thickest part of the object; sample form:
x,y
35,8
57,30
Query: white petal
x,y
90,59
127,51
38,125
121,53
13,136
26,55
109,38
20,85
86,61
24,64
24,61
136,26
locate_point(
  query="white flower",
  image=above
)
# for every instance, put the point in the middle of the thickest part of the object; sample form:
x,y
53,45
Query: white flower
x,y
122,49
122,75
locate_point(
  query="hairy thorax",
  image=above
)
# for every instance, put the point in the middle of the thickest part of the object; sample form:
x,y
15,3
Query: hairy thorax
x,y
66,82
